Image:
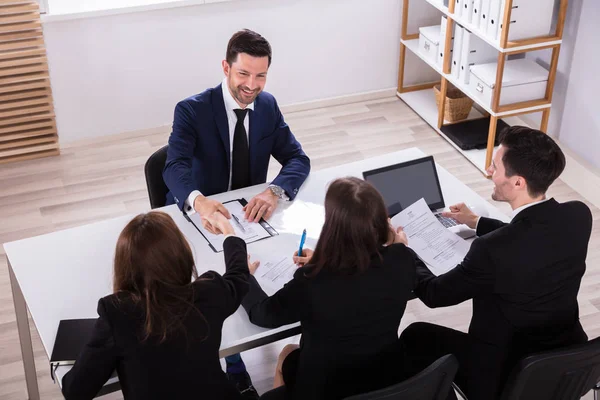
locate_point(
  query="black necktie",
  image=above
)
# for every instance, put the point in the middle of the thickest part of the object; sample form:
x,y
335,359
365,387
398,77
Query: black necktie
x,y
240,164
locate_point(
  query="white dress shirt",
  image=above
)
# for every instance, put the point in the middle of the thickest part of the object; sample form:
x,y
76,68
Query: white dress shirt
x,y
519,209
230,105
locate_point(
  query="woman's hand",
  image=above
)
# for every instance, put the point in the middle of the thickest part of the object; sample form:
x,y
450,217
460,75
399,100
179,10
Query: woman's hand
x,y
252,266
396,235
220,223
400,236
304,258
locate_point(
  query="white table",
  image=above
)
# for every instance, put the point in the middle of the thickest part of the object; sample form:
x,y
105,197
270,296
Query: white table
x,y
62,275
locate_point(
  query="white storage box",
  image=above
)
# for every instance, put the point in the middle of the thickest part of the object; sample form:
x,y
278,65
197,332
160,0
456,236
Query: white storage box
x,y
523,80
528,19
429,41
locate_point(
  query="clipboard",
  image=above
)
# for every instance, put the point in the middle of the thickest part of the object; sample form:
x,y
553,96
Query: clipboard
x,y
268,229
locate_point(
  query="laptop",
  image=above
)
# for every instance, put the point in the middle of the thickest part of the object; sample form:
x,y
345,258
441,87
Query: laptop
x,y
404,184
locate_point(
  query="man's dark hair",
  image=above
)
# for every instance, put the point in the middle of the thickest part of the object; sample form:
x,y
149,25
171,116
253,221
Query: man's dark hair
x,y
533,155
248,42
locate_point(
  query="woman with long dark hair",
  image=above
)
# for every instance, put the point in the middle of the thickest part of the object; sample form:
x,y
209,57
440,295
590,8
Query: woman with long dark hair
x,y
161,328
349,297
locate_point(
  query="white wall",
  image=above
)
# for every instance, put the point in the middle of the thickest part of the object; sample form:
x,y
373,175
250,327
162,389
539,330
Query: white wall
x,y
580,125
574,119
126,72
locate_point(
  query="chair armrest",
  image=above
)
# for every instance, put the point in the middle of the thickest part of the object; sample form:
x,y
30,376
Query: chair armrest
x,y
459,392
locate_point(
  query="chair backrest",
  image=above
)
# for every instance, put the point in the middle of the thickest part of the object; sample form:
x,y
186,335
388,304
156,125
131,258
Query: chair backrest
x,y
433,383
565,374
157,189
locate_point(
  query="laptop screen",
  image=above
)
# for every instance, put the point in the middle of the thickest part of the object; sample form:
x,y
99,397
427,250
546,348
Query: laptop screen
x,y
403,184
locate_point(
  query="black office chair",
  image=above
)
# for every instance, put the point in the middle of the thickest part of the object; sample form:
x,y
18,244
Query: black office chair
x,y
157,189
433,383
565,374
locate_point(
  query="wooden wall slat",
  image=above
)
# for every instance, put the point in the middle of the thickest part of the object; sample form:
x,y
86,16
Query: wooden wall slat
x,y
25,69
22,112
12,121
23,86
26,142
18,1
21,44
26,17
30,101
25,94
20,26
28,149
14,62
14,79
27,120
31,156
21,35
31,133
21,53
7,9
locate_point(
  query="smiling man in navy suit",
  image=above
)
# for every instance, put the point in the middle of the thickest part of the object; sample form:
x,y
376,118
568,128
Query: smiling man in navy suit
x,y
223,139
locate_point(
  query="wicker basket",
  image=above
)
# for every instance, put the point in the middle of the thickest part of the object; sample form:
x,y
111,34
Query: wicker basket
x,y
458,105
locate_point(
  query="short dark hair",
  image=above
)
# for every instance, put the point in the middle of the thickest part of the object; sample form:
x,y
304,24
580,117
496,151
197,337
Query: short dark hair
x,y
533,155
249,42
356,227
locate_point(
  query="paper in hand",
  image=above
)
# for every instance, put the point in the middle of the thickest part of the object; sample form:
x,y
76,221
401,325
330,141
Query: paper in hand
x,y
437,246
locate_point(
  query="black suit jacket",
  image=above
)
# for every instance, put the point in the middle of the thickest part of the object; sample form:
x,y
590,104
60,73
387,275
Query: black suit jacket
x,y
186,366
523,278
346,319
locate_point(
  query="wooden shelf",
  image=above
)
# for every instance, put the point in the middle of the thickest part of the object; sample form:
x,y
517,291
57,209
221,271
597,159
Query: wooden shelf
x,y
413,46
415,94
494,43
423,103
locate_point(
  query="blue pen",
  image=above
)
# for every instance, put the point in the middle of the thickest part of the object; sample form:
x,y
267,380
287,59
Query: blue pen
x,y
302,239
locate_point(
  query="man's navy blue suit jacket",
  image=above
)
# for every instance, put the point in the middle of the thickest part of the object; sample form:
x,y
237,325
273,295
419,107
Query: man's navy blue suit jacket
x,y
199,151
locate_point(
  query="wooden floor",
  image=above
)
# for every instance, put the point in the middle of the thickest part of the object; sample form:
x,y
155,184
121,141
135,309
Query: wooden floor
x,y
98,179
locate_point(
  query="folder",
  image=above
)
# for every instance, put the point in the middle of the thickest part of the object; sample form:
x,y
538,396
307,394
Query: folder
x,y
474,51
468,11
457,8
441,48
494,19
476,14
71,337
484,15
456,50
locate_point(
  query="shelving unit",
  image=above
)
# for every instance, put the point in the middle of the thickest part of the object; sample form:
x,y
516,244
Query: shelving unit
x,y
420,97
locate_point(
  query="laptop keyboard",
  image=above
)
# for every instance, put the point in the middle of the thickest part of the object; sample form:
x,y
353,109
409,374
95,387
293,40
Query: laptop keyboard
x,y
447,222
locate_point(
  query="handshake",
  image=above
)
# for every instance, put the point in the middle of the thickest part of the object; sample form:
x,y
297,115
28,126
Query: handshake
x,y
219,223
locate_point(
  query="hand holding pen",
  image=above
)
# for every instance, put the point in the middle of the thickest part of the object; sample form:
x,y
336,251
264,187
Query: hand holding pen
x,y
302,256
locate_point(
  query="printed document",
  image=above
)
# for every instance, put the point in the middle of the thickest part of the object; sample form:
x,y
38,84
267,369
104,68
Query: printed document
x,y
437,246
275,272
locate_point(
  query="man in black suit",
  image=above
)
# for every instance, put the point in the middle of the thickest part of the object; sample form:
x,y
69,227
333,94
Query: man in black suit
x,y
523,276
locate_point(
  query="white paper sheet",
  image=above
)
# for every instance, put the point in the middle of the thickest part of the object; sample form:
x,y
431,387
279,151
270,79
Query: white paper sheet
x,y
437,246
249,231
274,272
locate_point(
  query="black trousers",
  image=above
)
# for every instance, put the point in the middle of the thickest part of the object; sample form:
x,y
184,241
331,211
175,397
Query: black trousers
x,y
481,366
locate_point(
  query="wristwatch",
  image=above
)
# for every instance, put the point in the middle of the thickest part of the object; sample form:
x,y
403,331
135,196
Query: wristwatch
x,y
279,192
